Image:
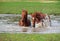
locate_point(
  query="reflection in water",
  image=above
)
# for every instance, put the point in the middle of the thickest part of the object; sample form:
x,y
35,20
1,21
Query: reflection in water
x,y
9,23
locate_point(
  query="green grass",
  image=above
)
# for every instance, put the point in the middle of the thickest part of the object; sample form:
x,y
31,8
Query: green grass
x,y
25,0
17,7
29,37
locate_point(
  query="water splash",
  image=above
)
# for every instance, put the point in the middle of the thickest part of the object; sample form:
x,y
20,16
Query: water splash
x,y
9,23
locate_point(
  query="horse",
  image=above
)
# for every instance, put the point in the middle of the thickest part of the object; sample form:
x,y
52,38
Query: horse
x,y
24,20
38,19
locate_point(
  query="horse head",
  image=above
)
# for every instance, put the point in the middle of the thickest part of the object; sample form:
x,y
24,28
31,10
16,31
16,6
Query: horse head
x,y
24,21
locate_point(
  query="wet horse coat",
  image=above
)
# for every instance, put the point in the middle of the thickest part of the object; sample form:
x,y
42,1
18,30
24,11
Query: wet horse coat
x,y
37,18
24,21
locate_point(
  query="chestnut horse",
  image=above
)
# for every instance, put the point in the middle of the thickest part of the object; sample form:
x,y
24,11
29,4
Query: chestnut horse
x,y
24,21
38,17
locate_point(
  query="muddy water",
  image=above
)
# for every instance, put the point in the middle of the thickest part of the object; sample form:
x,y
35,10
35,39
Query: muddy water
x,y
9,24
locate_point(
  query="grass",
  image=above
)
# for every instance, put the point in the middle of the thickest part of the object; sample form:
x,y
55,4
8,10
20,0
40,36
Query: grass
x,y
17,7
25,0
29,37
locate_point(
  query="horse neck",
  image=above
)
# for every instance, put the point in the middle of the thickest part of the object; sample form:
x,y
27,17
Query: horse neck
x,y
24,19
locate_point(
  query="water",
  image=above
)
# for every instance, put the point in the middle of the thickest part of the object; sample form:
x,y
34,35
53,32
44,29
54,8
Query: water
x,y
9,24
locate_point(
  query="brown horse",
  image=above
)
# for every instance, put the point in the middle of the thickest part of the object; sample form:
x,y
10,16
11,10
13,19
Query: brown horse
x,y
37,17
24,21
